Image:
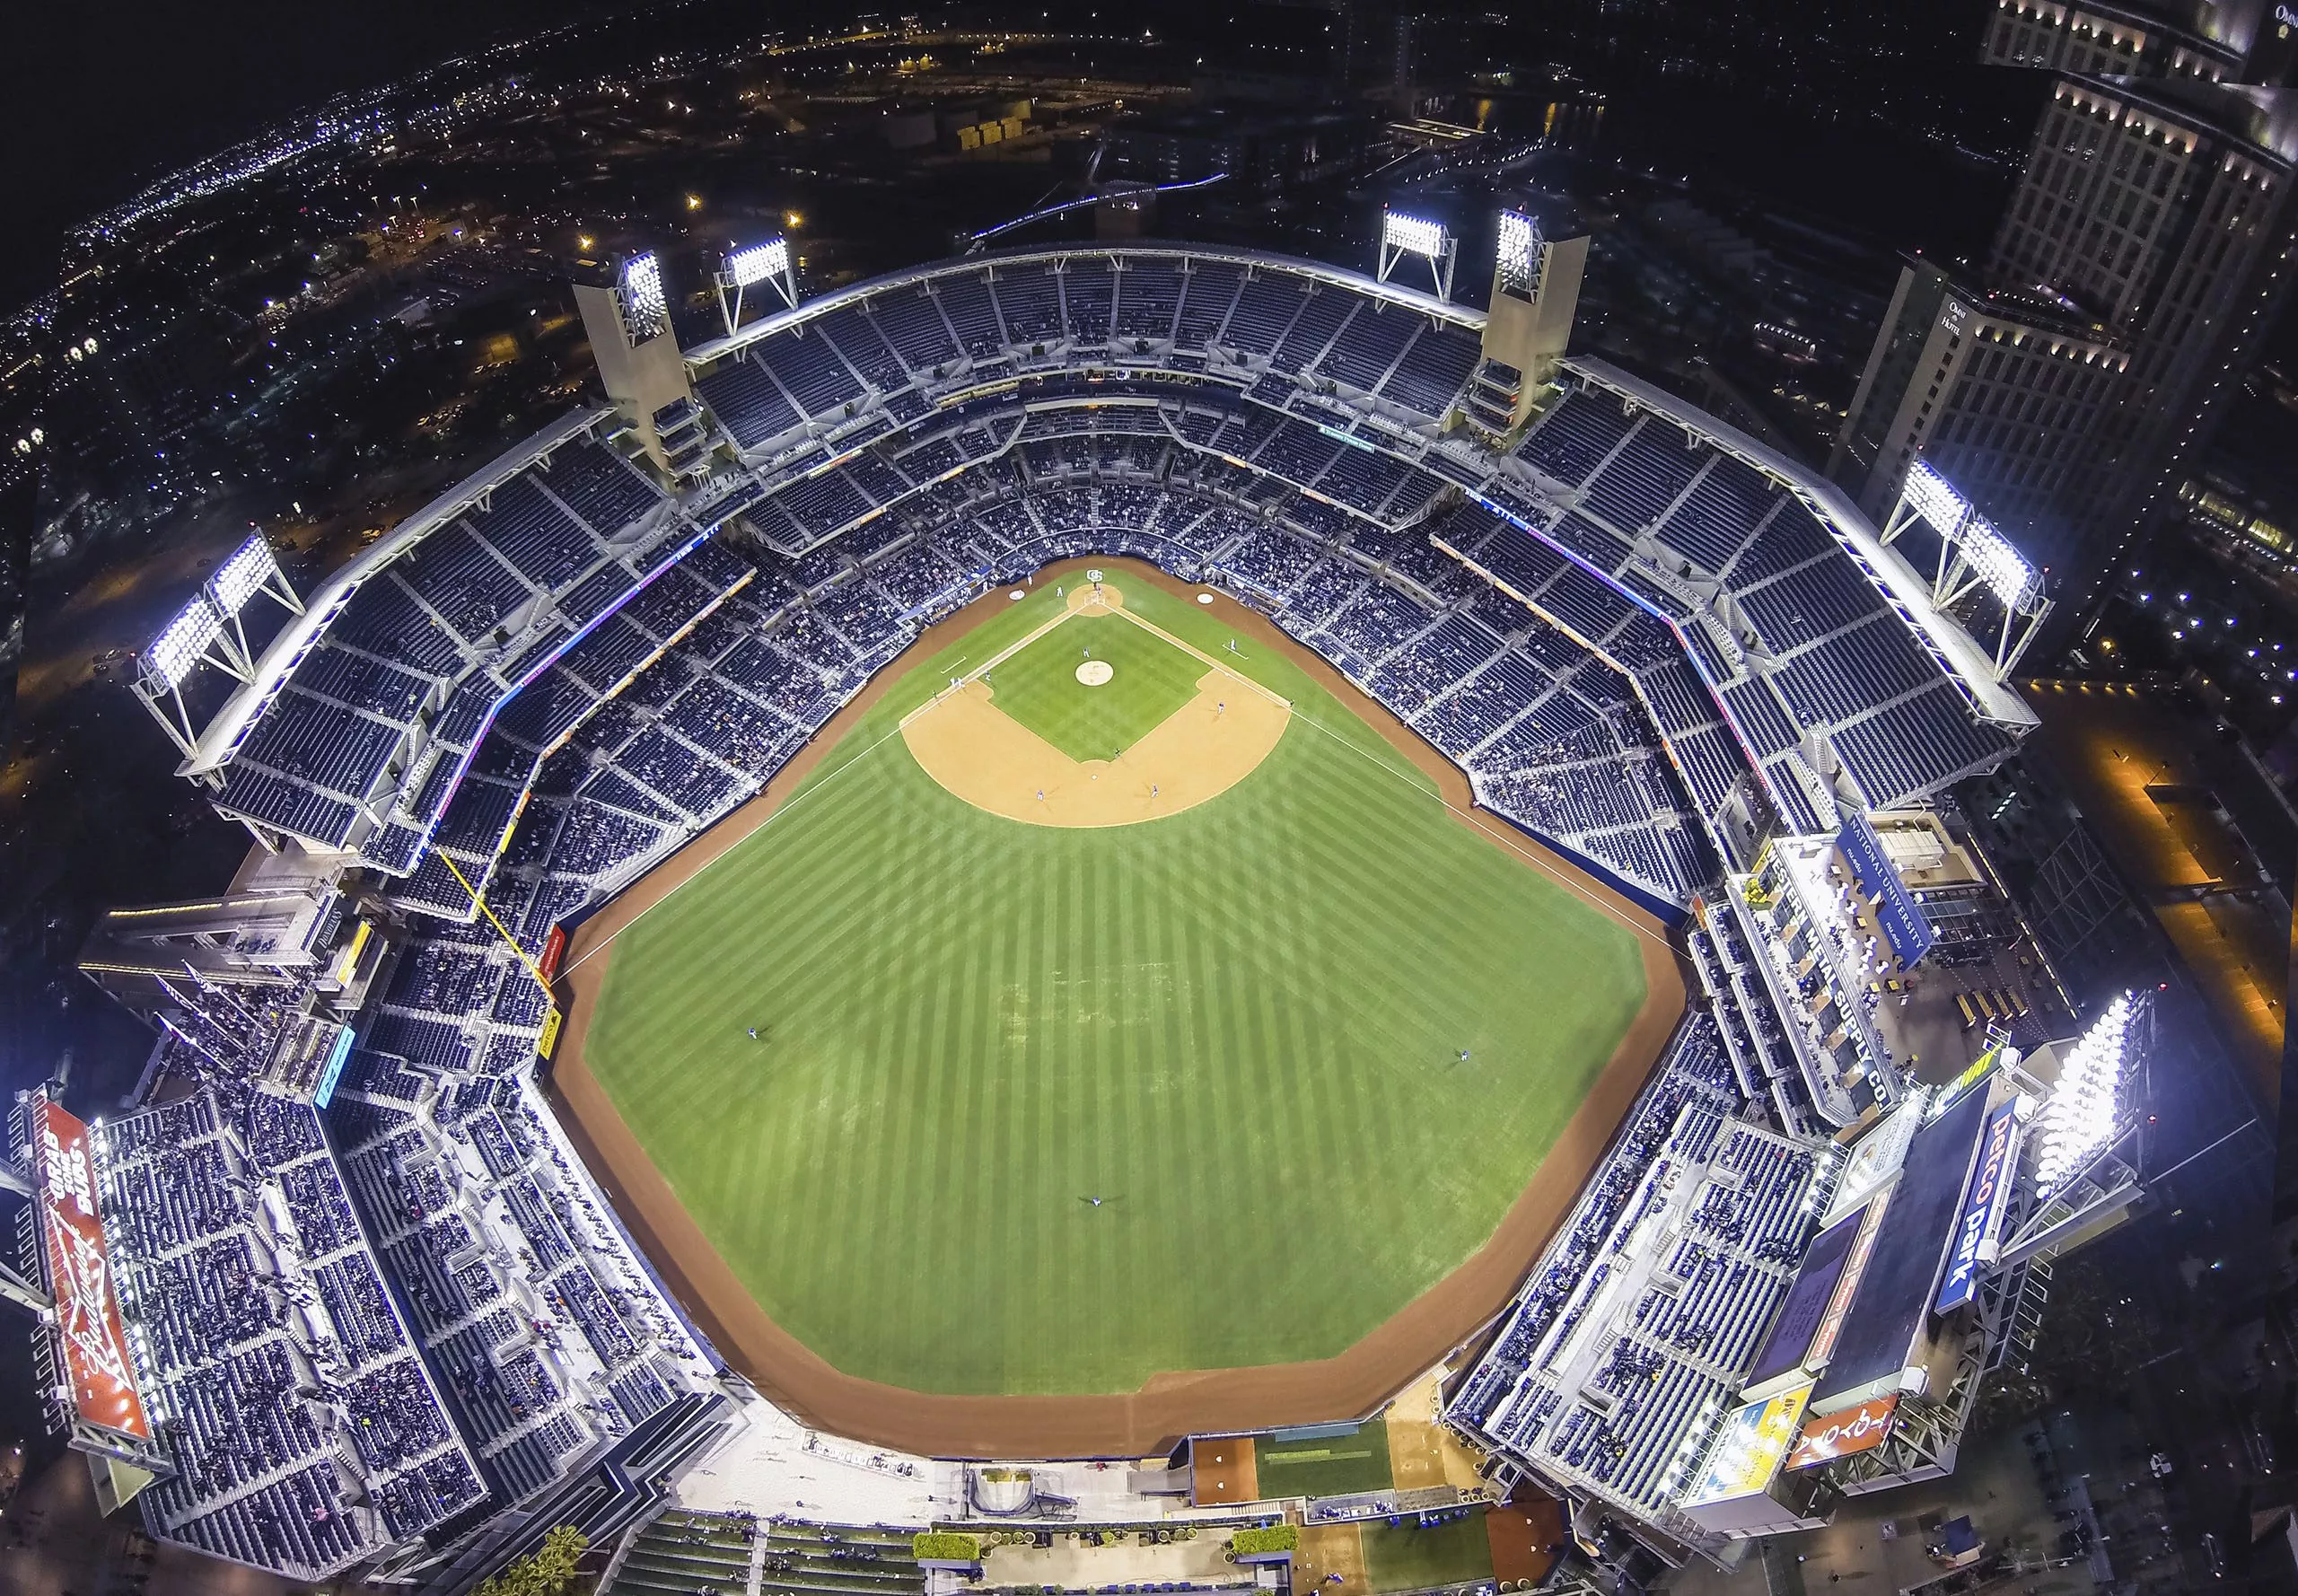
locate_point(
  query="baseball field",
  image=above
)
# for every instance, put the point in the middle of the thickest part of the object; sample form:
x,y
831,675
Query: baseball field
x,y
1125,1004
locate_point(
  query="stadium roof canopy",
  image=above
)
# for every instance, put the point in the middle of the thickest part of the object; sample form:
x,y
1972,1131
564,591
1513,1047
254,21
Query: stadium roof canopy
x,y
1615,479
216,745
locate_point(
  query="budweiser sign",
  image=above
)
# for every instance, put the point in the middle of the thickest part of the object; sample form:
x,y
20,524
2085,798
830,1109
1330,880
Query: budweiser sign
x,y
87,1310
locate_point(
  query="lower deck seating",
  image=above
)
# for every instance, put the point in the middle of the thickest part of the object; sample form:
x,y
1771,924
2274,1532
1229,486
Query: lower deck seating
x,y
305,1430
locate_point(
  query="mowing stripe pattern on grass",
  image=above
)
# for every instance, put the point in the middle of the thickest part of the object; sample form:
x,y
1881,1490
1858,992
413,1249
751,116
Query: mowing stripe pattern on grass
x,y
1241,1026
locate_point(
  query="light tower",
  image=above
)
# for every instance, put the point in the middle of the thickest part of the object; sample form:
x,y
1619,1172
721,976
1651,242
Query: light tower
x,y
639,360
206,631
1432,241
769,262
1974,556
1535,296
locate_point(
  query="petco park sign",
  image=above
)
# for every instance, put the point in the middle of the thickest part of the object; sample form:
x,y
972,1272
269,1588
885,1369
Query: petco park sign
x,y
1983,1202
87,1313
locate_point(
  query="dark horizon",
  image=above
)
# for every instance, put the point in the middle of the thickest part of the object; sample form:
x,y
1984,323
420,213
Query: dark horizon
x,y
129,93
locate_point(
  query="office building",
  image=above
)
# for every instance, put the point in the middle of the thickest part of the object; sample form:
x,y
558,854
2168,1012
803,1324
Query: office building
x,y
2141,258
2216,41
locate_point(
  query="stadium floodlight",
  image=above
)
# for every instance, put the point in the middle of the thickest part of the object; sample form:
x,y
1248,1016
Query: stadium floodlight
x,y
1432,241
243,576
768,262
2003,569
1414,235
758,262
1934,497
1520,243
2084,1106
183,642
646,313
1973,554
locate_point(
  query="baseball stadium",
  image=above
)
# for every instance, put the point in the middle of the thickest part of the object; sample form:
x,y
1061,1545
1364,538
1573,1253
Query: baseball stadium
x,y
1141,886
1168,971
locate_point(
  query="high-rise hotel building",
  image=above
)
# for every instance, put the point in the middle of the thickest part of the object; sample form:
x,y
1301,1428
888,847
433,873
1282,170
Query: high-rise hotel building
x,y
2146,249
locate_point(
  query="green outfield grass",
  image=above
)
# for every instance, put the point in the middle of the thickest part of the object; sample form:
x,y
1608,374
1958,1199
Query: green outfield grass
x,y
1240,1025
1039,687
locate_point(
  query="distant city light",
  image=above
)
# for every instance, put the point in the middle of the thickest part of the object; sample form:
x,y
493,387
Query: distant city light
x,y
1414,235
758,262
178,647
584,242
792,219
694,202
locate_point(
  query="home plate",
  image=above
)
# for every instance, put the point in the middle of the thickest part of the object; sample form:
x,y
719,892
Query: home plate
x,y
1095,673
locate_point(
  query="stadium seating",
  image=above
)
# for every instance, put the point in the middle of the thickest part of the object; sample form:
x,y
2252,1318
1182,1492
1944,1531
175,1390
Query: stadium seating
x,y
306,1430
1606,1403
1497,688
1597,522
427,646
480,1211
730,703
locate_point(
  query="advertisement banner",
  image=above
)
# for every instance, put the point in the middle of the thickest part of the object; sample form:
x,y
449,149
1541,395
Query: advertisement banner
x,y
1749,1447
1857,1429
553,949
87,1312
1983,1199
1905,926
324,1093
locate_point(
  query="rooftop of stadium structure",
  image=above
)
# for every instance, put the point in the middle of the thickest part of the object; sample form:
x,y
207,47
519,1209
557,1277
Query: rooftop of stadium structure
x,y
1642,636
1759,576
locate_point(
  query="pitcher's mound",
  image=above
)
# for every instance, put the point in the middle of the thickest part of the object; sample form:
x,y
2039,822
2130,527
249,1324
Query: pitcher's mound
x,y
1095,673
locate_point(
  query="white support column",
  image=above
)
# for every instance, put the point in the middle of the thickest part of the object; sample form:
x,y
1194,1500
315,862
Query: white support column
x,y
1903,515
275,585
156,698
14,1288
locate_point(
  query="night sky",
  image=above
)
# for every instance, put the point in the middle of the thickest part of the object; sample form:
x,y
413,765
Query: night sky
x,y
122,90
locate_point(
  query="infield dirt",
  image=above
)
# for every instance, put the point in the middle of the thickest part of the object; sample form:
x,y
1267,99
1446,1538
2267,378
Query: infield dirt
x,y
1169,1406
980,754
